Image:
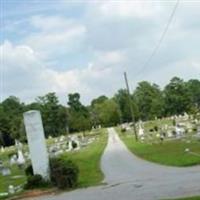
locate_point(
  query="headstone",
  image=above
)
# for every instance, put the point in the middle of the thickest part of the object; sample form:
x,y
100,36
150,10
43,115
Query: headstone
x,y
70,147
62,138
186,116
179,131
20,160
18,144
158,135
13,159
36,143
169,134
2,149
5,171
141,131
11,189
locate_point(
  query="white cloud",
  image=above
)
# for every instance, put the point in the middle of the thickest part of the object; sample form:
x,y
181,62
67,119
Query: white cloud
x,y
55,36
109,37
27,77
126,9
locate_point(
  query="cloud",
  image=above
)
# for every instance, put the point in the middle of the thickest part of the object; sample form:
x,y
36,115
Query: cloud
x,y
126,9
55,36
27,77
87,48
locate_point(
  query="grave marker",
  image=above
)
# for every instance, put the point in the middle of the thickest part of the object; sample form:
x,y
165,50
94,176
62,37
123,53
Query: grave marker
x,y
36,142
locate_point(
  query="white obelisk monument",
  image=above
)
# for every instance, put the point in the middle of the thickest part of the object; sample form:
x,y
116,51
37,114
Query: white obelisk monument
x,y
36,143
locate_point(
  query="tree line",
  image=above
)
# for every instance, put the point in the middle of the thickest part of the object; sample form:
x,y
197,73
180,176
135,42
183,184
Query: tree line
x,y
148,102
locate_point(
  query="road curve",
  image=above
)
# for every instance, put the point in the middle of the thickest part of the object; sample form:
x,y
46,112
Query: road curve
x,y
131,178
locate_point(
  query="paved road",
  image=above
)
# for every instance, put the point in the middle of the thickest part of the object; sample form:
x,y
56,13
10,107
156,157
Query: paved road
x,y
131,178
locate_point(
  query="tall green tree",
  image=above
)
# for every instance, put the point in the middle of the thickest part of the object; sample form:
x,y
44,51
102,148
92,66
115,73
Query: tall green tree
x,y
79,116
122,99
177,97
107,112
11,120
149,100
193,87
95,118
54,115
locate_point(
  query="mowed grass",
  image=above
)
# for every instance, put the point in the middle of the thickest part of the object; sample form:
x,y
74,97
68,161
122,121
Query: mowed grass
x,y
17,176
167,153
88,161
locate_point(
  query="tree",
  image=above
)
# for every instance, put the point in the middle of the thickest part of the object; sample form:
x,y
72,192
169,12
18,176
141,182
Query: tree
x,y
107,112
193,87
121,98
177,97
79,116
99,100
94,112
11,119
54,115
149,100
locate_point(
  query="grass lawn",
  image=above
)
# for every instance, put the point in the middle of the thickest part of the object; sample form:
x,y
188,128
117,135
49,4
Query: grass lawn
x,y
87,159
168,153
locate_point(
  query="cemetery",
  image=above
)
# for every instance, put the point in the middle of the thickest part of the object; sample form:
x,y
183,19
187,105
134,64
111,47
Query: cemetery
x,y
171,141
83,149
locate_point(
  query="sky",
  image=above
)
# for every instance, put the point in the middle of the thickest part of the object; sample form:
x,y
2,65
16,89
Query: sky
x,y
66,46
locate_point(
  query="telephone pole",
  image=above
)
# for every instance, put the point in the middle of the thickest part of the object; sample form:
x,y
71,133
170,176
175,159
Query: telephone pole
x,y
131,107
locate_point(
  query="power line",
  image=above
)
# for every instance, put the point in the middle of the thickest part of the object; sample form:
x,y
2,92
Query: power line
x,y
160,40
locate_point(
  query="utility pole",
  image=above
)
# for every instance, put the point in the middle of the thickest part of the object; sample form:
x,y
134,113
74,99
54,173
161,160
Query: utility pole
x,y
131,107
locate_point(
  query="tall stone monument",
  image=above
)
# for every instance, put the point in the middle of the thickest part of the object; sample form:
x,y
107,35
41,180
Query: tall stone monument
x,y
36,143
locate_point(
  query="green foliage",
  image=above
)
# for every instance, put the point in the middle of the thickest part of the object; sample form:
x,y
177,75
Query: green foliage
x,y
79,116
88,160
64,173
149,100
54,115
36,181
193,87
177,97
121,98
29,170
168,153
106,113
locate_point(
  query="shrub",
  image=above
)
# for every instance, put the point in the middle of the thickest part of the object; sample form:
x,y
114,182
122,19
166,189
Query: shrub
x,y
123,130
74,144
35,181
64,173
194,129
29,171
156,128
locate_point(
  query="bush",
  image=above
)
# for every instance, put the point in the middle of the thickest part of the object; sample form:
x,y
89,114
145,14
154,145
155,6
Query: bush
x,y
29,171
64,173
156,128
123,130
74,144
35,181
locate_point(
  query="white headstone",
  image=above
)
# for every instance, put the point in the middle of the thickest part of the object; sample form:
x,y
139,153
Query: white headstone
x,y
5,171
13,160
36,143
20,160
141,130
11,189
70,145
2,149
